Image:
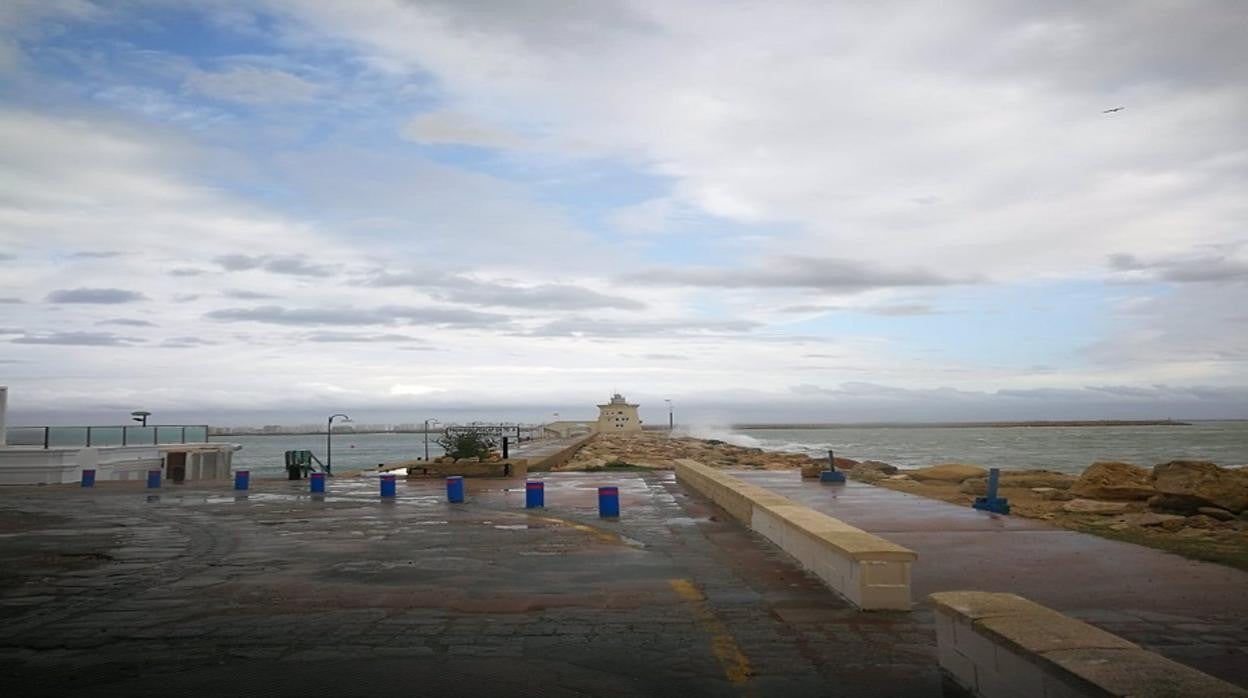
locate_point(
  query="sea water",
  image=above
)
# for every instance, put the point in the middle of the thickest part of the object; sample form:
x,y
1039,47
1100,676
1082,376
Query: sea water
x,y
1065,449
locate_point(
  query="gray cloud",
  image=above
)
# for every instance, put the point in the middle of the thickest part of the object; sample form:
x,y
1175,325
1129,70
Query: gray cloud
x,y
665,357
590,327
95,295
5,256
187,342
458,289
94,255
897,310
127,322
247,295
186,271
293,265
11,300
334,337
385,315
1208,269
81,339
827,274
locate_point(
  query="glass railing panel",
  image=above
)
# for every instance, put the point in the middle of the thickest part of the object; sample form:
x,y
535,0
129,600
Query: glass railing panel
x,y
67,437
140,436
106,436
196,435
169,435
25,436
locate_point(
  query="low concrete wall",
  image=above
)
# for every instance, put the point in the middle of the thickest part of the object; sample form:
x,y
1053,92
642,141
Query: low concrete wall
x,y
513,467
557,458
871,572
1004,645
38,466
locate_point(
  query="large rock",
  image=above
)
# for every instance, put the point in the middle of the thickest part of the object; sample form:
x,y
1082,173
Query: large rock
x,y
1113,480
877,466
1203,484
947,472
1091,506
1020,478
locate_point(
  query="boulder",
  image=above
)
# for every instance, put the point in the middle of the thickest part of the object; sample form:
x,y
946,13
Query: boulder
x,y
1216,513
874,465
1092,506
1053,494
811,471
846,463
1020,478
1114,480
947,472
1203,484
1149,518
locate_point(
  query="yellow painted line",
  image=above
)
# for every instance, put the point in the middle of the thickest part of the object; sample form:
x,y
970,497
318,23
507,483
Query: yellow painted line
x,y
735,664
605,536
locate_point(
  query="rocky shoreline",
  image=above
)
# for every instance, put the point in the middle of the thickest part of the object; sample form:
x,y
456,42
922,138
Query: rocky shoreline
x,y
1193,508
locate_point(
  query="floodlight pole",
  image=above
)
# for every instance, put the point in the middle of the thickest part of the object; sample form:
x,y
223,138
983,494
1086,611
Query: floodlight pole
x,y
427,422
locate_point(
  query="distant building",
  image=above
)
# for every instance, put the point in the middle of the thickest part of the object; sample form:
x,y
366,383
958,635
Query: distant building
x,y
618,415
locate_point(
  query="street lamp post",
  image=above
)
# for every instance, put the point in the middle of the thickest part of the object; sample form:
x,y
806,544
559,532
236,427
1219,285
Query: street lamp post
x,y
140,416
671,420
427,423
329,442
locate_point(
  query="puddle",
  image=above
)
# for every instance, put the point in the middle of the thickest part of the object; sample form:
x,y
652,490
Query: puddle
x,y
512,527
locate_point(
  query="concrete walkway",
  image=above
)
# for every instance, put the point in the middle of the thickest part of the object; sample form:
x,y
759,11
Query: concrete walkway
x,y
1193,612
198,590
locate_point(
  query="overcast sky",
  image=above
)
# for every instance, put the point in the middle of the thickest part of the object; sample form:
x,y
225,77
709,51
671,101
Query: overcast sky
x,y
268,210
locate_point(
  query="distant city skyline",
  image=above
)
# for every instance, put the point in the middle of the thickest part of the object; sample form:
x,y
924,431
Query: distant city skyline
x,y
271,211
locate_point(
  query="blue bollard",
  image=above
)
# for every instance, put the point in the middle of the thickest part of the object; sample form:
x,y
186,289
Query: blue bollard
x,y
534,494
153,479
832,476
455,489
990,501
387,486
608,502
316,482
242,479
88,478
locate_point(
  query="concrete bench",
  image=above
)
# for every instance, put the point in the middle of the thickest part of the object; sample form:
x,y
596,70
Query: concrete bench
x,y
1004,645
870,571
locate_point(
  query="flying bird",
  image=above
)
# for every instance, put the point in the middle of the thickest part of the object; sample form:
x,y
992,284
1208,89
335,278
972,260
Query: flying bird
x,y
1111,111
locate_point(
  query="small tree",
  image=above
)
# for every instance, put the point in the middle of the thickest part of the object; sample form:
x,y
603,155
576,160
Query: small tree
x,y
466,444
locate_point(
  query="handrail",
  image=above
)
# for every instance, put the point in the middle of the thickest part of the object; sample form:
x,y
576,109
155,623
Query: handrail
x,y
109,435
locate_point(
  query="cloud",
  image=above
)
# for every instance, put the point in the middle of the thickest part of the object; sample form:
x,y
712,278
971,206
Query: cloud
x,y
252,85
339,337
385,315
83,339
127,322
6,257
1208,269
187,343
95,295
10,300
591,327
826,274
894,310
94,255
293,265
459,289
448,128
186,271
245,295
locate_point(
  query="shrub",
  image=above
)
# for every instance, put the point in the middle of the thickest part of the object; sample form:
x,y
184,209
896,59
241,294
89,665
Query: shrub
x,y
466,444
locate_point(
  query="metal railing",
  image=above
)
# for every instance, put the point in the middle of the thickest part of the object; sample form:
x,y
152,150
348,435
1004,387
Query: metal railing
x,y
80,437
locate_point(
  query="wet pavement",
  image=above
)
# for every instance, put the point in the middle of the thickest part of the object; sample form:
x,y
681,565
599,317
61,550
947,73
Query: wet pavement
x,y
197,590
1192,612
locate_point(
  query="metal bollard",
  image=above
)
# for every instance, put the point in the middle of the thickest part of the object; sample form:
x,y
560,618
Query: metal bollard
x,y
455,489
88,478
534,494
608,502
316,482
153,479
833,476
990,502
242,479
387,486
